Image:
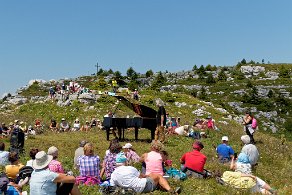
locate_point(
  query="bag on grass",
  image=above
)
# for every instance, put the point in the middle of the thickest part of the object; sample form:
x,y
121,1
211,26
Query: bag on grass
x,y
177,174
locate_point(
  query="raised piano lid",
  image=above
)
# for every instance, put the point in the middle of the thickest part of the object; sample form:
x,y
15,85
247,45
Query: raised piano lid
x,y
141,110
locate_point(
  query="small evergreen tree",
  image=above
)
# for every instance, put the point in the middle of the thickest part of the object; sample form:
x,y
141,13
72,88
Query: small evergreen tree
x,y
210,79
270,93
243,61
195,67
131,73
222,76
208,67
118,74
110,71
249,84
149,73
201,70
158,82
203,93
284,72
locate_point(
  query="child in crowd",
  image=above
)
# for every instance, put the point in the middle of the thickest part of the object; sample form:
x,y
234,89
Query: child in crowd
x,y
32,154
166,163
132,156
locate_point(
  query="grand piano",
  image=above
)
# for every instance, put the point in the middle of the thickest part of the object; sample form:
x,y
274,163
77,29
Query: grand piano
x,y
146,119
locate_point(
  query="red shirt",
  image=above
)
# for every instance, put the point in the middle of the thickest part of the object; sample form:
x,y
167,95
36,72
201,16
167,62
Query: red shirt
x,y
194,160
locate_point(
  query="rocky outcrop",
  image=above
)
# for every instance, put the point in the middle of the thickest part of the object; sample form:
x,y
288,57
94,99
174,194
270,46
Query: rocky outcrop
x,y
249,71
17,100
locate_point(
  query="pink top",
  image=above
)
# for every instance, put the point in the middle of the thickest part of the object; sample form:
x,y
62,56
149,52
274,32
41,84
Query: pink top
x,y
56,166
132,156
154,163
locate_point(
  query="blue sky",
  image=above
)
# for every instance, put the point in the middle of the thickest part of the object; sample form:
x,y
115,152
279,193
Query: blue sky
x,y
64,38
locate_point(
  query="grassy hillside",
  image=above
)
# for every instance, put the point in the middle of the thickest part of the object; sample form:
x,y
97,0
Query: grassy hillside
x,y
275,165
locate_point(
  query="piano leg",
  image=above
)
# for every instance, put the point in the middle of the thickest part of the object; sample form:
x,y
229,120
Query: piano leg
x,y
136,133
120,133
152,134
123,133
107,133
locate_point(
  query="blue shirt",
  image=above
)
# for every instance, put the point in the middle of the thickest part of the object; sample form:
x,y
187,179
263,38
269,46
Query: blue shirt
x,y
42,182
224,151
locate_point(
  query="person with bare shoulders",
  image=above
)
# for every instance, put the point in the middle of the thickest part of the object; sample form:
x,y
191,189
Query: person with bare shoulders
x,y
247,122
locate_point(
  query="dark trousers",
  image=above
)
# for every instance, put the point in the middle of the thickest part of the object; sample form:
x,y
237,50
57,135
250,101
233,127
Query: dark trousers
x,y
249,134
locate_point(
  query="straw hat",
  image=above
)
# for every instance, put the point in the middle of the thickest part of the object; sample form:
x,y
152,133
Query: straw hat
x,y
42,160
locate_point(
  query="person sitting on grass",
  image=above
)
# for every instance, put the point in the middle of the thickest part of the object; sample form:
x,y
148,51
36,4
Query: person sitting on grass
x,y
53,125
3,155
88,166
152,161
166,162
132,156
109,162
224,151
5,130
44,181
64,125
55,165
242,165
32,154
13,169
129,177
79,152
250,150
193,162
86,127
76,125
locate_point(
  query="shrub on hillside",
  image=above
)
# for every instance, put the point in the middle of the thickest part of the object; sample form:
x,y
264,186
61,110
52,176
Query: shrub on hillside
x,y
168,97
158,82
210,79
34,90
288,125
222,76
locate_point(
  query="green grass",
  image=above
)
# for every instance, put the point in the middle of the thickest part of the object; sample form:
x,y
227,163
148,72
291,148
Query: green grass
x,y
275,165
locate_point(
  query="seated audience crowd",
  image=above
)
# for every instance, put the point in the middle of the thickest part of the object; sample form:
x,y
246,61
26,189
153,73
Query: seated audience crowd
x,y
45,174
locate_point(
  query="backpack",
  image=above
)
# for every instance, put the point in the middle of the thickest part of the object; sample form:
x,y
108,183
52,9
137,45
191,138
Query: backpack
x,y
3,182
25,172
254,123
177,174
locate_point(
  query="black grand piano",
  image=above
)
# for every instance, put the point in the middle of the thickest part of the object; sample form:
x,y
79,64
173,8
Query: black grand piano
x,y
146,119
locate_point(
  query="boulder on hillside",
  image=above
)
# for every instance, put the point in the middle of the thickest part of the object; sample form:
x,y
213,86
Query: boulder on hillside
x,y
252,70
65,103
36,80
17,100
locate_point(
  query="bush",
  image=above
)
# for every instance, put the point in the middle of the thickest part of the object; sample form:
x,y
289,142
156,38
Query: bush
x,y
168,97
210,79
288,125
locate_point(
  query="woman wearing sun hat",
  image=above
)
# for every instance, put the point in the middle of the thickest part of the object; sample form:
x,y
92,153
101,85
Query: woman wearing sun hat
x,y
43,181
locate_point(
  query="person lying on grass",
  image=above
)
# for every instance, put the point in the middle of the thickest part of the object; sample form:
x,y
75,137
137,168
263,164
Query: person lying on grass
x,y
129,177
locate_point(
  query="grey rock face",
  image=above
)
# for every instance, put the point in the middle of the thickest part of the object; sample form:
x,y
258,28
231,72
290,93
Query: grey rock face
x,y
252,70
18,100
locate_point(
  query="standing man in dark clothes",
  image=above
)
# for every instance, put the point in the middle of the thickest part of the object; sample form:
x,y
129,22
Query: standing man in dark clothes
x,y
160,121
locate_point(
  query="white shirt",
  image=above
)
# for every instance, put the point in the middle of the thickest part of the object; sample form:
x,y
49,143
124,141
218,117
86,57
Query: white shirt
x,y
128,177
180,130
29,163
